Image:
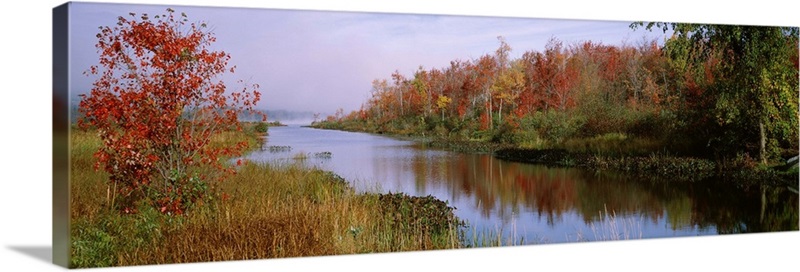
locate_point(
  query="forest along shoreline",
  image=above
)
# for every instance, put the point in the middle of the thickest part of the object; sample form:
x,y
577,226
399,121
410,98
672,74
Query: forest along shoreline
x,y
686,109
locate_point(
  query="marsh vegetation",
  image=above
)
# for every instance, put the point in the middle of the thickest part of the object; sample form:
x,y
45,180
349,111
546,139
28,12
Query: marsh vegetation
x,y
264,211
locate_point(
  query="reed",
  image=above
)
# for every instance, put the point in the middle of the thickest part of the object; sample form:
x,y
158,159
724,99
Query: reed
x,y
611,227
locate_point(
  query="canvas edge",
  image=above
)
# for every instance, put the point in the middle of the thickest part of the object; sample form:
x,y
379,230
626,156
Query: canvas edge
x,y
60,122
60,46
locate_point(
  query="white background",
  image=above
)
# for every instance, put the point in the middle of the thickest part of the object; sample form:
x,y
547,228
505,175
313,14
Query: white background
x,y
25,184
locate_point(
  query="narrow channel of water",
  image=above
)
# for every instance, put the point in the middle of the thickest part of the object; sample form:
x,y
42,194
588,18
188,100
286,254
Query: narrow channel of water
x,y
533,203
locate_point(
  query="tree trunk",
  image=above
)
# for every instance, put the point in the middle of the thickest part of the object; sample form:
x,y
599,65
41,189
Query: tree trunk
x,y
500,112
489,110
762,147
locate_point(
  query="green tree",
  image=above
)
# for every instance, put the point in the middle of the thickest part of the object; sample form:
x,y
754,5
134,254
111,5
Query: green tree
x,y
754,94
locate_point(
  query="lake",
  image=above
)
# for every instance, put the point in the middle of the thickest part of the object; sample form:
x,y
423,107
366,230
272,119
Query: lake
x,y
534,204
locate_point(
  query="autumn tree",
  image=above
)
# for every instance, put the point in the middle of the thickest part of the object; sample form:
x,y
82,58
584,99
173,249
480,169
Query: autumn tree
x,y
508,86
399,88
421,94
509,78
156,104
441,103
376,104
484,74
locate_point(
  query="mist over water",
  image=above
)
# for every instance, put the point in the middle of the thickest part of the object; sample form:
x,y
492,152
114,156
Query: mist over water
x,y
296,122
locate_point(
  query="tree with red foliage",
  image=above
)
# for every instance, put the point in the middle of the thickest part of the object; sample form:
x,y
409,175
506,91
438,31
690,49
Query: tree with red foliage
x,y
553,77
156,104
485,70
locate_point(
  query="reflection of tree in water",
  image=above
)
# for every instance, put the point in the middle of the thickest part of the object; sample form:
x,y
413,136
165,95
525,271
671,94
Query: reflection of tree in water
x,y
779,210
552,192
753,209
502,188
617,193
726,207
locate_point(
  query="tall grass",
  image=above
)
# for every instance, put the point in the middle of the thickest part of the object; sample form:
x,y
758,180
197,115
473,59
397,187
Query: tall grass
x,y
266,211
613,228
88,190
493,237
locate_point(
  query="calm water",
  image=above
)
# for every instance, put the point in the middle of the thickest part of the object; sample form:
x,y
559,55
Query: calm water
x,y
534,203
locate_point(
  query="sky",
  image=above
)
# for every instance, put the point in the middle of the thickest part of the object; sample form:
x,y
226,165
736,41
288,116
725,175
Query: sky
x,y
321,61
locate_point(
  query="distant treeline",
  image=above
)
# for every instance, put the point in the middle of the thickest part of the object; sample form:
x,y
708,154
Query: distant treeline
x,y
272,115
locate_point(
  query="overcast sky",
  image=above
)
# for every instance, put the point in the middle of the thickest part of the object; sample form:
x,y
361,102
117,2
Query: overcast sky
x,y
321,61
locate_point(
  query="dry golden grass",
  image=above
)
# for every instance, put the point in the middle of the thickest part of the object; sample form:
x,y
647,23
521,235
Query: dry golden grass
x,y
90,184
270,212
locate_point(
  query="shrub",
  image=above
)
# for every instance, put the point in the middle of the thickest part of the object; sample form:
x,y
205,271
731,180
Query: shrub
x,y
428,214
554,126
100,243
261,127
528,138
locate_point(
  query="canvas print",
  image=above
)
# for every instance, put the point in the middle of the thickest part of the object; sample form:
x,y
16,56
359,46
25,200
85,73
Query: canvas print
x,y
199,134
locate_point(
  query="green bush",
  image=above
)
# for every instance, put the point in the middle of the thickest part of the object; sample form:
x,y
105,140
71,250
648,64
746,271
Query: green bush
x,y
651,124
97,244
528,138
503,134
92,247
428,214
261,127
554,126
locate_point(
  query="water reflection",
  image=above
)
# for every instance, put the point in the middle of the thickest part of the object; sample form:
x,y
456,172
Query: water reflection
x,y
537,202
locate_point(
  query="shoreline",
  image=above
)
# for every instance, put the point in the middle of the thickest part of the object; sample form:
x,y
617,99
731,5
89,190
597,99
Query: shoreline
x,y
650,166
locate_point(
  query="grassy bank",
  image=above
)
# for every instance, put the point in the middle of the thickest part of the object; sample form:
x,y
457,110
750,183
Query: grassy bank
x,y
741,170
548,130
442,140
264,212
